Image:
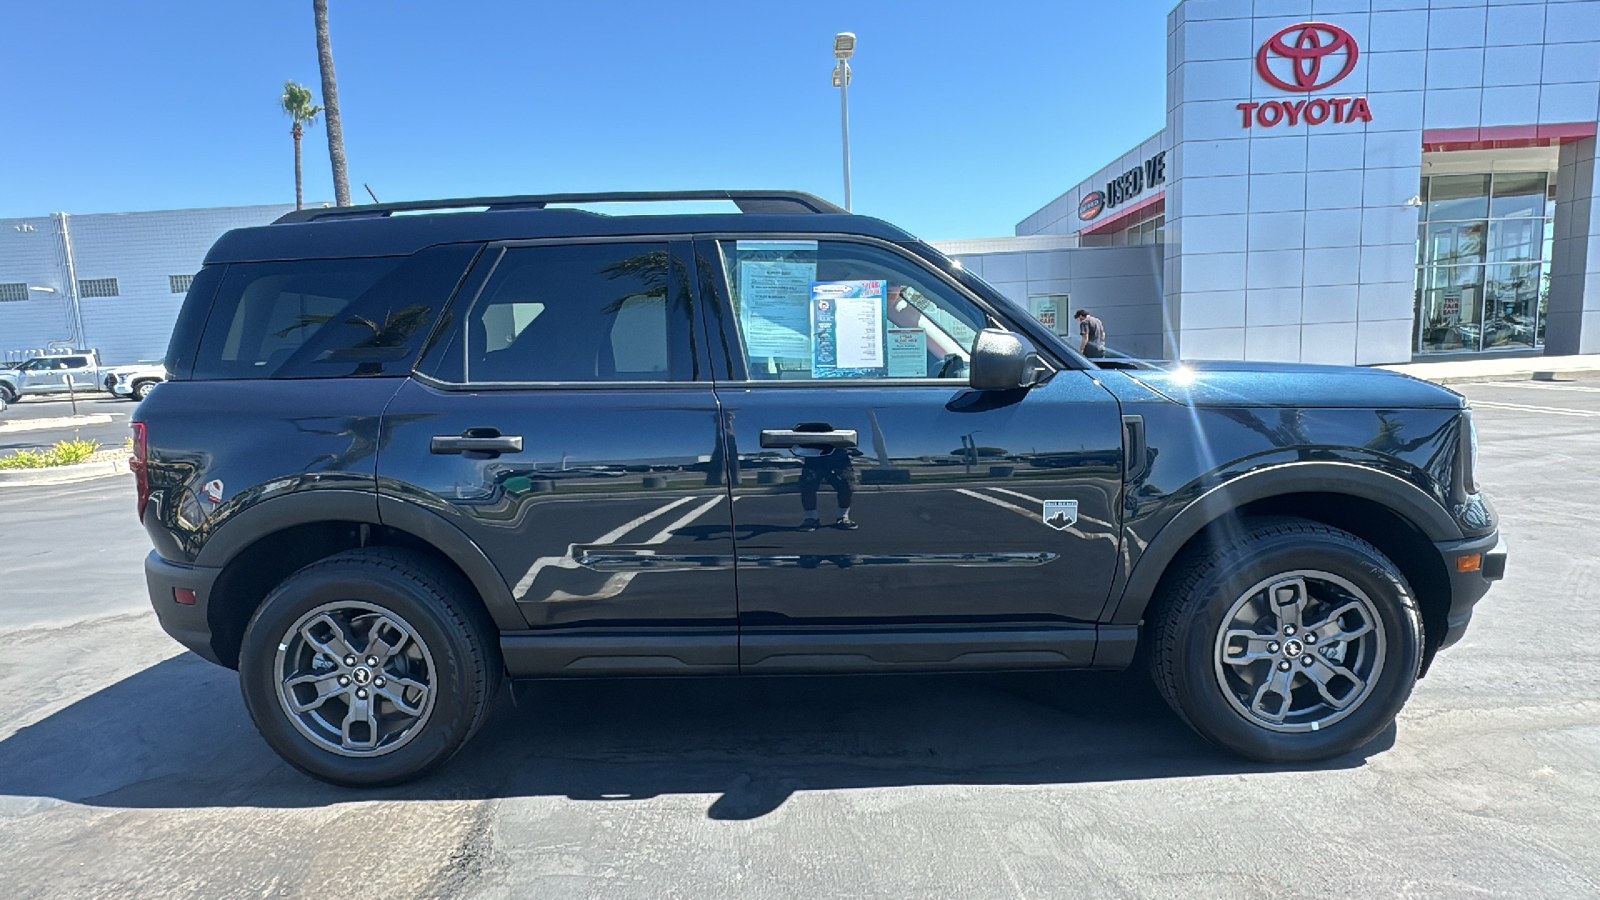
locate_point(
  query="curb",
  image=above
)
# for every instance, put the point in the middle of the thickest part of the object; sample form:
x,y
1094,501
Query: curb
x,y
104,468
1562,375
55,423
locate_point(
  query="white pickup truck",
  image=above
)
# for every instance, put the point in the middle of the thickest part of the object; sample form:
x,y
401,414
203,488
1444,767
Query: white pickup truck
x,y
78,371
135,381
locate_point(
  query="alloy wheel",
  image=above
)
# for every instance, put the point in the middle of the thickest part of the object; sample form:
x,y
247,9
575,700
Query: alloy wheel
x,y
355,679
1299,651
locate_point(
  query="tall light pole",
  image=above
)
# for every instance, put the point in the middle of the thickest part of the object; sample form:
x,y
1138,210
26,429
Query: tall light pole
x,y
844,45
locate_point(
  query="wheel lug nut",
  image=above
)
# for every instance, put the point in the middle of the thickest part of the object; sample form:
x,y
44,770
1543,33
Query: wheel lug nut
x,y
343,681
1311,638
361,694
349,660
1306,660
1284,665
377,682
372,660
1288,629
1272,647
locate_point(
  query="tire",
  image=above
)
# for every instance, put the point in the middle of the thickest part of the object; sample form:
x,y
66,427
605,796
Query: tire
x,y
8,394
141,390
431,689
1239,670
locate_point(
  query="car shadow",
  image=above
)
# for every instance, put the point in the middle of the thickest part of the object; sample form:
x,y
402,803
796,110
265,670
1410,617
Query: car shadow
x,y
177,735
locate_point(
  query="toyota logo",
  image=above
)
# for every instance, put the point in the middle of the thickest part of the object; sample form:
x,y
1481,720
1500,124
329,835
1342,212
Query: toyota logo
x,y
1306,45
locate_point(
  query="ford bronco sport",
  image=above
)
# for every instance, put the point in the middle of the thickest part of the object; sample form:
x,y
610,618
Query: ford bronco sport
x,y
410,450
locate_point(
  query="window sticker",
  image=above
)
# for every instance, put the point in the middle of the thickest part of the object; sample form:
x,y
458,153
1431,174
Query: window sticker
x,y
908,353
847,329
774,294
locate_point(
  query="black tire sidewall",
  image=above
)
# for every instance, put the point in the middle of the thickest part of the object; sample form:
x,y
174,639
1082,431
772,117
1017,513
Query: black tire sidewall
x,y
1200,696
457,691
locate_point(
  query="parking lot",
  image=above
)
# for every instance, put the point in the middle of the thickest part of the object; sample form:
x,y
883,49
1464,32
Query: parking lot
x,y
99,406
129,768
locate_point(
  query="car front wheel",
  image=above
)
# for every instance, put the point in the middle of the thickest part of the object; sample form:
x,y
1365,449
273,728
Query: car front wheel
x,y
1292,642
369,668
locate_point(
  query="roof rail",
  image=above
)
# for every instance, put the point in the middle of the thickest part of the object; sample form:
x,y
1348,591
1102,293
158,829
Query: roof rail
x,y
759,202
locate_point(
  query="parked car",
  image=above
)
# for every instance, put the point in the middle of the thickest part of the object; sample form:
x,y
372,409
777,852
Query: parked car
x,y
347,482
55,374
134,382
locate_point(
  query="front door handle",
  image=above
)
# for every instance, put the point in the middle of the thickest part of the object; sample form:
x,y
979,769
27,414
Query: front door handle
x,y
480,443
788,437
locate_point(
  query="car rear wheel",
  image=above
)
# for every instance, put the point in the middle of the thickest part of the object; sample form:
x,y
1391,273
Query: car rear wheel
x,y
1292,642
141,389
369,668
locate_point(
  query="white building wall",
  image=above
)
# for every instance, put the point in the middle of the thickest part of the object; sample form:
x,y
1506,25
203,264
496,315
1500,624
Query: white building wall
x,y
139,249
29,251
1296,243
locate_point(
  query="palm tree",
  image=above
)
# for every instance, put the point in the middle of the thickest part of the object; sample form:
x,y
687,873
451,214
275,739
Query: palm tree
x,y
296,103
330,96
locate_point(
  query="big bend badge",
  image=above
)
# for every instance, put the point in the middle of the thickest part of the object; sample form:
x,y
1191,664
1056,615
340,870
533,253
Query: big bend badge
x,y
1060,514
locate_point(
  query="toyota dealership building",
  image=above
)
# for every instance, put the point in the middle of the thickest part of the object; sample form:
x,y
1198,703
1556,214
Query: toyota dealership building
x,y
1341,181
1338,181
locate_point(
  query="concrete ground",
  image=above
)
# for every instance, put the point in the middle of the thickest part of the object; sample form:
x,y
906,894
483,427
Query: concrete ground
x,y
53,406
128,768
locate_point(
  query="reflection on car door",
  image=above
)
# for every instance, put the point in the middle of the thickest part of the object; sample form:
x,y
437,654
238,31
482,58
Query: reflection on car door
x,y
559,423
983,526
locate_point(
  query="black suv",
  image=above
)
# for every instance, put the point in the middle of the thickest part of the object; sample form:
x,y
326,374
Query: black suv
x,y
406,453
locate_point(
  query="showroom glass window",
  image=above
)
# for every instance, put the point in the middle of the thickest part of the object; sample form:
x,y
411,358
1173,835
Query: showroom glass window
x,y
1483,261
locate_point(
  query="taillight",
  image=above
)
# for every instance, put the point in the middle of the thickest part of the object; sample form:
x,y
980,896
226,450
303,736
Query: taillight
x,y
136,464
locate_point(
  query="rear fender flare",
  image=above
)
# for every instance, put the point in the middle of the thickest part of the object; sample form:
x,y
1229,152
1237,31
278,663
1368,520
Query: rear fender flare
x,y
1399,496
310,507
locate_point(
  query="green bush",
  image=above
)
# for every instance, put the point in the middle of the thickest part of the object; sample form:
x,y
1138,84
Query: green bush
x,y
63,453
75,451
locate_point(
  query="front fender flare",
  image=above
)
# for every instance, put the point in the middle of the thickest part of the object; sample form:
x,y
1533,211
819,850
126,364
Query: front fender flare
x,y
1399,496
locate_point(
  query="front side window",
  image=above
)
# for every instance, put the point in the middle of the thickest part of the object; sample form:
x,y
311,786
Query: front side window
x,y
575,313
837,309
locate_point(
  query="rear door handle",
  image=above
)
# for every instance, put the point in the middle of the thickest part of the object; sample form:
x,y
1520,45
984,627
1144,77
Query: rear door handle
x,y
788,437
474,441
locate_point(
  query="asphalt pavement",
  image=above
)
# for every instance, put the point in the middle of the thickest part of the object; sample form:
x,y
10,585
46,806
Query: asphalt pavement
x,y
129,768
107,434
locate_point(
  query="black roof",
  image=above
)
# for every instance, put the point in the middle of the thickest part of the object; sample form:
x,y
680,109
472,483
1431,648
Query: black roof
x,y
375,230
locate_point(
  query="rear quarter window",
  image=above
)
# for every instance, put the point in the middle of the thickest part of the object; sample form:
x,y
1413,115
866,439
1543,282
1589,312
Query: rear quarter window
x,y
326,318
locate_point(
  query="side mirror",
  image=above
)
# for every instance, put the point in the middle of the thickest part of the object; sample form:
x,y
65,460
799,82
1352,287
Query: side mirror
x,y
1003,361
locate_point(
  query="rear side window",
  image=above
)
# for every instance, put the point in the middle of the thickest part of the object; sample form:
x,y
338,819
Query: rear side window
x,y
327,318
575,313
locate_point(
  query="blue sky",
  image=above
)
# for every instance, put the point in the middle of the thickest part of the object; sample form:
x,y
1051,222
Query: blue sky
x,y
965,117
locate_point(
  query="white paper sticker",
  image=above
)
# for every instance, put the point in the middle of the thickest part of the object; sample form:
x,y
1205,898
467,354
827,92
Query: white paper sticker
x,y
860,327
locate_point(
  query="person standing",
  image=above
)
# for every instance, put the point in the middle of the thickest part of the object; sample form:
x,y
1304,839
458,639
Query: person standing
x,y
1092,334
